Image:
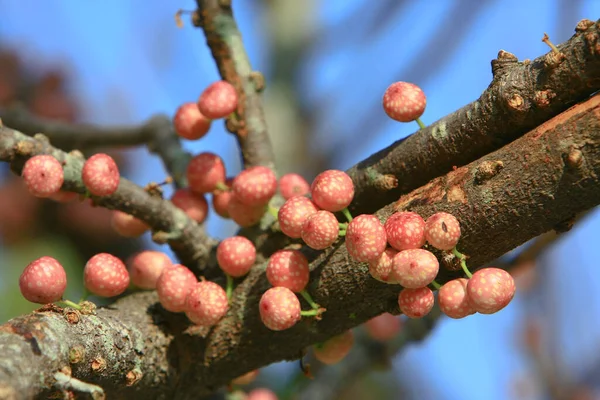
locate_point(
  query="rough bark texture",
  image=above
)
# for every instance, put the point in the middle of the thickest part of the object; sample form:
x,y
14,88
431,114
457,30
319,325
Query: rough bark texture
x,y
189,240
505,198
225,42
521,96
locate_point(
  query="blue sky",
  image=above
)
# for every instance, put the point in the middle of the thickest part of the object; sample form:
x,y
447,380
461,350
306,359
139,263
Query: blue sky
x,y
128,60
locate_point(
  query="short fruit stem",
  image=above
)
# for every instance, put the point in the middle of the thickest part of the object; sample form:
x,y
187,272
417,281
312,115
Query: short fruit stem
x,y
311,313
222,187
421,124
436,285
342,233
463,262
273,211
229,287
343,226
309,300
68,303
347,214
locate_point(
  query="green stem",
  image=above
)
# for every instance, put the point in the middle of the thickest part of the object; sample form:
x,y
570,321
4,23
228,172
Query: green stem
x,y
347,214
463,262
68,303
342,233
421,124
273,211
343,226
309,300
436,285
310,313
229,287
222,187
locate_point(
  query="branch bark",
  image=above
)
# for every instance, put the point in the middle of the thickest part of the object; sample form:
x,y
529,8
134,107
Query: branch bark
x,y
187,239
546,177
225,42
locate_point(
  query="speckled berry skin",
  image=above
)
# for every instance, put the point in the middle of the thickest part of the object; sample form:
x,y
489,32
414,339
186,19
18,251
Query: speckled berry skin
x,y
404,101
100,175
279,308
414,268
442,231
288,268
236,255
244,215
405,230
127,225
254,186
194,205
490,290
221,199
332,190
204,172
173,286
146,266
291,185
218,100
320,230
262,394
384,327
453,299
365,238
190,123
43,175
416,303
43,281
381,268
105,275
335,349
206,303
247,378
293,213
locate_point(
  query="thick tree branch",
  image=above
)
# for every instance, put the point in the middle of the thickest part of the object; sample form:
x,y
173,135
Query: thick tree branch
x,y
546,177
188,239
521,96
225,42
157,133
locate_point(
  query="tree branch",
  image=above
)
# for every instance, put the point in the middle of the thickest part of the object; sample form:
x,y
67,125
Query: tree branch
x,y
547,176
225,42
521,96
188,239
157,133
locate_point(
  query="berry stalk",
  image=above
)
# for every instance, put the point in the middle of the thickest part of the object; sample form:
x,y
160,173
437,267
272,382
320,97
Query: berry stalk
x,y
463,262
229,286
421,124
309,300
347,214
68,303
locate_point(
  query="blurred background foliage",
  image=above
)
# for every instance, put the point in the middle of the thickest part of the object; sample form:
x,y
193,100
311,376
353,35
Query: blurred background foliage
x,y
327,64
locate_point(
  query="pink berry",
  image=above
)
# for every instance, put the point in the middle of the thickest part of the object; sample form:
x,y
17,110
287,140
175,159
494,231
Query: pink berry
x,y
291,185
320,230
100,175
416,303
194,205
63,196
453,299
335,349
490,290
405,230
190,123
381,268
236,255
383,327
279,308
204,172
206,303
262,394
43,175
365,238
255,186
293,213
442,231
332,190
288,268
43,281
173,286
245,215
127,225
105,275
218,100
247,378
221,199
415,268
404,101
145,267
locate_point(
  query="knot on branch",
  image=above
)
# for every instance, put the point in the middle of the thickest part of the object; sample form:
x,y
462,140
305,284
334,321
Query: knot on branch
x,y
542,98
487,170
574,158
584,25
504,61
